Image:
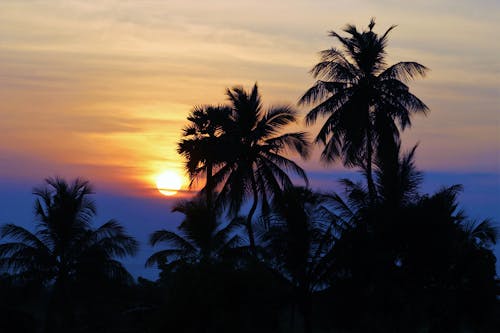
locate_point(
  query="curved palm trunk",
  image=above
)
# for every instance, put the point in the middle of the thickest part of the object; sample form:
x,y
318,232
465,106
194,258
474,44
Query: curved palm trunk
x,y
249,227
208,185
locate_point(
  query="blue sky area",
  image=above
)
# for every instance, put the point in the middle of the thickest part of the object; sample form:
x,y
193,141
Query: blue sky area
x,y
141,216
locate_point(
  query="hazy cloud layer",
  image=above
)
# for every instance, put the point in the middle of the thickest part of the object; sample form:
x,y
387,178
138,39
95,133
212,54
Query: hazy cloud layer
x,y
106,85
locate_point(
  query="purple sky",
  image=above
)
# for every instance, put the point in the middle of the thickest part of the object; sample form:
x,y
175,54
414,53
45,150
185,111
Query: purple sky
x,y
142,216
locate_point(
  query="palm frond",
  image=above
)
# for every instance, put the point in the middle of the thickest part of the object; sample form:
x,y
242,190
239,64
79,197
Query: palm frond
x,y
19,257
404,71
484,232
115,271
222,235
297,142
277,163
321,90
161,257
338,72
169,237
113,240
21,234
275,119
234,190
330,106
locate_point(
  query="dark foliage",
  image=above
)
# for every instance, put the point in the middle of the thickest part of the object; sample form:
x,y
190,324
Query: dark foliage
x,y
361,97
65,254
413,257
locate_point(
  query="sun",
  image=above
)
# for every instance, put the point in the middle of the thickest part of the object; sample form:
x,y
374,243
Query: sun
x,y
168,183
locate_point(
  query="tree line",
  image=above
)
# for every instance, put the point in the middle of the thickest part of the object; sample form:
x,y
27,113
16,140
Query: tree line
x,y
257,252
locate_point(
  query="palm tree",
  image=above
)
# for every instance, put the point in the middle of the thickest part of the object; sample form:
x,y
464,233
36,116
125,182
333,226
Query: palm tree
x,y
202,146
299,242
195,264
361,97
406,245
202,239
255,165
65,249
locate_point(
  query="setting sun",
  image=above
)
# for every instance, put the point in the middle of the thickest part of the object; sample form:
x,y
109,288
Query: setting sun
x,y
168,183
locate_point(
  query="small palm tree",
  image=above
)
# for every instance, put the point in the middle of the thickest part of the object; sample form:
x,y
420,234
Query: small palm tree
x,y
361,97
203,144
64,249
299,240
255,166
202,239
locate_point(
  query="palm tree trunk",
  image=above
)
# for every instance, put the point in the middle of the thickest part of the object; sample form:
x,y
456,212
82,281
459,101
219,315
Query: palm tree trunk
x,y
49,322
306,309
66,305
250,216
368,165
208,186
307,317
59,316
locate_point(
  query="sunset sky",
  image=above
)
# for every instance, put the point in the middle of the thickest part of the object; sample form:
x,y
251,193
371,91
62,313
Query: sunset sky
x,y
101,89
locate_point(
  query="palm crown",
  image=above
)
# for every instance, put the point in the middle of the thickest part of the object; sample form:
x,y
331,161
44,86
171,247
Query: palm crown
x,y
362,99
202,139
255,166
64,247
202,238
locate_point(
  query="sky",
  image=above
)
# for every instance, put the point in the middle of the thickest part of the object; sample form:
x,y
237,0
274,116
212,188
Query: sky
x,y
101,89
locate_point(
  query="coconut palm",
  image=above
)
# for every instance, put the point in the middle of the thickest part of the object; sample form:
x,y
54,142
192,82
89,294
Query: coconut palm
x,y
202,145
64,249
413,247
255,166
361,97
202,238
299,241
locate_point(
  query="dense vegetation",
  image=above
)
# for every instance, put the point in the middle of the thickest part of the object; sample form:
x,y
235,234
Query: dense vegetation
x,y
257,253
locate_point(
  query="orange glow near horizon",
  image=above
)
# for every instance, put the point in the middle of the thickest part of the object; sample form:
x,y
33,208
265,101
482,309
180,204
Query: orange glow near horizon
x,y
102,90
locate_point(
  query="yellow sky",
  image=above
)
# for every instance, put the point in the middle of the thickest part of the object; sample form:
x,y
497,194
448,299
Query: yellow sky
x,y
101,89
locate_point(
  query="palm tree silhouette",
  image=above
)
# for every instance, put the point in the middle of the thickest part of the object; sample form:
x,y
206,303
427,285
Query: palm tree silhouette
x,y
202,239
450,257
420,245
299,241
255,165
203,144
65,249
361,98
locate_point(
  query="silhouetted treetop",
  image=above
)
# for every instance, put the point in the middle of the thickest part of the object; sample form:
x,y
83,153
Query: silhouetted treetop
x,y
363,100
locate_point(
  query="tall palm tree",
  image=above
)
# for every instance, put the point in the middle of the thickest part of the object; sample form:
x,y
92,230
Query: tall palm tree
x,y
202,238
361,97
299,241
255,166
64,249
202,145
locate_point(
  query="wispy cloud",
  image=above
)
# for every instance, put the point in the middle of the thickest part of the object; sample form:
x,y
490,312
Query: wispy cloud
x,y
110,83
